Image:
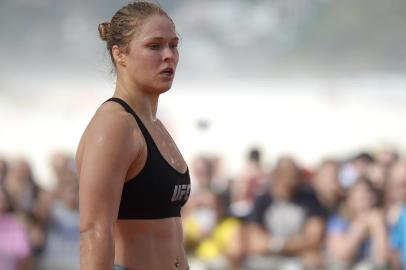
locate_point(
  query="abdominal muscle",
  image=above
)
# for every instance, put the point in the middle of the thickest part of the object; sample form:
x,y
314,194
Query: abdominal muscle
x,y
150,244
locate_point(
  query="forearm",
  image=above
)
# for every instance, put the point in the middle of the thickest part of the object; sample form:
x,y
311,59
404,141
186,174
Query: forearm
x,y
379,241
96,250
309,239
299,243
348,245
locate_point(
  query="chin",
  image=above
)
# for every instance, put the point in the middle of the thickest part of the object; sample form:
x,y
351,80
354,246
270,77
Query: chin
x,y
162,88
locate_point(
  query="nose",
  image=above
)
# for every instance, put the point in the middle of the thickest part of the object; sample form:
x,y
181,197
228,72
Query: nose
x,y
168,54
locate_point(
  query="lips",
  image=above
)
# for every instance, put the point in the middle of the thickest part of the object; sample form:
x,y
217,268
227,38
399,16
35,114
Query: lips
x,y
167,72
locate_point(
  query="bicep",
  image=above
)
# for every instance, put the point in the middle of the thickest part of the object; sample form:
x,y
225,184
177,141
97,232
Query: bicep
x,y
104,163
100,186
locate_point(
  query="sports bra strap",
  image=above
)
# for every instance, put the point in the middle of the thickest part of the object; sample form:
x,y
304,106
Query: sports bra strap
x,y
128,109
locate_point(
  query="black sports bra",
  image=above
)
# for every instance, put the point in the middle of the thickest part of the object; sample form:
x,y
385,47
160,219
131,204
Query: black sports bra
x,y
159,190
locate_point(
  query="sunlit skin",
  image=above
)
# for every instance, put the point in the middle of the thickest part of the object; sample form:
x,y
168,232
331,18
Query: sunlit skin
x,y
113,150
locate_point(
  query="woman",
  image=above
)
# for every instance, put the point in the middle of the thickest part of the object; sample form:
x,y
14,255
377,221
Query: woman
x,y
133,179
357,235
15,249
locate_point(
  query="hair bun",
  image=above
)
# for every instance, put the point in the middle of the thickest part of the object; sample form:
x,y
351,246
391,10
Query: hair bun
x,y
104,30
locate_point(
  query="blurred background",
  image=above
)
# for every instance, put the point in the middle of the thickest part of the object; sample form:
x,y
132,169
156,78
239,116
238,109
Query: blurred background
x,y
286,110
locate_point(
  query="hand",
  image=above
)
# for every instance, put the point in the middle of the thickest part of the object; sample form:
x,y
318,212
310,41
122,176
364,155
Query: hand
x,y
258,241
359,226
376,220
276,244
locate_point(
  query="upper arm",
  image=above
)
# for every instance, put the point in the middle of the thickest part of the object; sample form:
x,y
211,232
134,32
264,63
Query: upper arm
x,y
107,153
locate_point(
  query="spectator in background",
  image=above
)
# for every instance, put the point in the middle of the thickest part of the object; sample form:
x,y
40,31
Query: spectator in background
x,y
59,212
253,173
24,192
213,218
14,241
3,170
355,168
327,186
379,170
285,228
242,191
395,203
200,217
202,172
387,157
61,164
239,199
377,174
357,236
21,186
398,239
395,191
211,236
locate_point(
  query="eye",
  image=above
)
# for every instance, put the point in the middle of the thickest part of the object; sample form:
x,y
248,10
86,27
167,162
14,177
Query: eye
x,y
155,46
173,45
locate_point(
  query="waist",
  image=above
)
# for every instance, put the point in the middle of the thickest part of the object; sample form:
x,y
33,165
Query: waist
x,y
140,242
118,267
169,256
160,229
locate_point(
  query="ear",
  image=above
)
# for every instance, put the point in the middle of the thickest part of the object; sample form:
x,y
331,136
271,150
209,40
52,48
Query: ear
x,y
118,55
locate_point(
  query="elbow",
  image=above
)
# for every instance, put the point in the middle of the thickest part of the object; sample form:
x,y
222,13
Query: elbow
x,y
95,231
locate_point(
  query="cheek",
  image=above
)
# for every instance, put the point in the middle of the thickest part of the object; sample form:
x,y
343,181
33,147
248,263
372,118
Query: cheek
x,y
176,58
141,59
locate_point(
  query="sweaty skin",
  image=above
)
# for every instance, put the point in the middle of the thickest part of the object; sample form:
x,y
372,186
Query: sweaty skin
x,y
113,150
138,243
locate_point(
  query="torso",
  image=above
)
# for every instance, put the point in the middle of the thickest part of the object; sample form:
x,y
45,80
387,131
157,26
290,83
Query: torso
x,y
149,244
152,244
166,147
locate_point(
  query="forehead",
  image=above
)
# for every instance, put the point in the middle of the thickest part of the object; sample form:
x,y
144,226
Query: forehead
x,y
156,26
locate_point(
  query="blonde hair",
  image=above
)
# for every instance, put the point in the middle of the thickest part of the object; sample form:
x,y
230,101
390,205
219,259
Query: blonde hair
x,y
125,22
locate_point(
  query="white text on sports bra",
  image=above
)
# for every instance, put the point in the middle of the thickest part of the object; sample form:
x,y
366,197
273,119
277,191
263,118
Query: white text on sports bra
x,y
180,192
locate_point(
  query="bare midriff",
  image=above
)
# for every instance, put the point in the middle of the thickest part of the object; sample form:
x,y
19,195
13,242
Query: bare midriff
x,y
150,244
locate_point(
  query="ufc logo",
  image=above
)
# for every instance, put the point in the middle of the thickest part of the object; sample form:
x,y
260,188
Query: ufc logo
x,y
180,192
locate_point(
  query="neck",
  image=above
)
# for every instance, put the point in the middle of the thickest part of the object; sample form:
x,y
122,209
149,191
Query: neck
x,y
143,103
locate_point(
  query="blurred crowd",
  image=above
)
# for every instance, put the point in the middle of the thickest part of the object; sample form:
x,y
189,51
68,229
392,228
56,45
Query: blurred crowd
x,y
39,228
345,213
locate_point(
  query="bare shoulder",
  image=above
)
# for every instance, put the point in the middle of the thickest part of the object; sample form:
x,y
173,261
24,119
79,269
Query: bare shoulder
x,y
108,148
110,121
111,127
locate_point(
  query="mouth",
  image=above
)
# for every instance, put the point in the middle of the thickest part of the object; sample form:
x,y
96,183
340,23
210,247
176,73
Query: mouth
x,y
168,72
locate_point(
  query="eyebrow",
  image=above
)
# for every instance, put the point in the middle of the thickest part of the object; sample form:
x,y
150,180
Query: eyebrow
x,y
161,39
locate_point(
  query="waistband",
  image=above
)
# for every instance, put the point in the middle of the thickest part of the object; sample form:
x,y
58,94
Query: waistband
x,y
118,267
